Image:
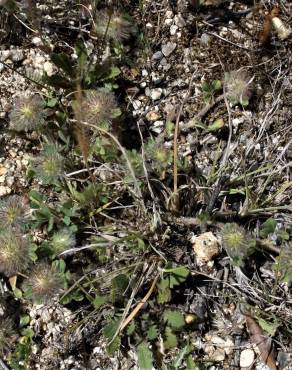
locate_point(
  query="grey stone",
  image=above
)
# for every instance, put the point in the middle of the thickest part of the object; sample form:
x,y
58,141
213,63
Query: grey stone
x,y
157,56
168,48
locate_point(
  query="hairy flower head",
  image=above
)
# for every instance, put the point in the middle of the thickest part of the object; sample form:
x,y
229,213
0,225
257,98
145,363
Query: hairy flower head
x,y
62,240
13,211
48,167
43,284
27,113
115,26
238,87
14,253
99,107
7,334
236,242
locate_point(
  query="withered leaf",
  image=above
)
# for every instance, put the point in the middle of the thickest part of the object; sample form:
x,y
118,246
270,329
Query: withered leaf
x,y
262,341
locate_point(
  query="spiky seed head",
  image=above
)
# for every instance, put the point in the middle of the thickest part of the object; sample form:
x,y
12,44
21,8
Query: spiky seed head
x,y
13,212
115,26
239,87
43,284
236,242
7,334
27,113
14,253
62,240
48,167
99,107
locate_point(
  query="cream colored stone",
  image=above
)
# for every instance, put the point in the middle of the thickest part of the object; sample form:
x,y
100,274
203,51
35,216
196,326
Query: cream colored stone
x,y
206,247
246,358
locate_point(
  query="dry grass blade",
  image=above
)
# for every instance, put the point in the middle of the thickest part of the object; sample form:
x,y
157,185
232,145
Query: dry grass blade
x,y
79,130
262,341
139,305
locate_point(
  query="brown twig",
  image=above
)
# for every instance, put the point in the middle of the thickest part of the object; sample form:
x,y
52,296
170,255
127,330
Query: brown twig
x,y
139,305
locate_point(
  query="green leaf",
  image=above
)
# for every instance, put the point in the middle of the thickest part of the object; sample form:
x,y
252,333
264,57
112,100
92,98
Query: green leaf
x,y
82,56
268,227
114,346
119,285
109,331
27,332
152,332
178,275
24,320
164,293
131,328
36,199
59,266
191,365
270,328
216,85
51,103
174,318
178,361
75,295
110,328
62,61
58,81
283,235
100,301
170,339
244,102
145,358
17,293
164,296
114,72
217,125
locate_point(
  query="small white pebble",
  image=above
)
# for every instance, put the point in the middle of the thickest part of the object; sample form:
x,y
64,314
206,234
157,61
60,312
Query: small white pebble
x,y
247,358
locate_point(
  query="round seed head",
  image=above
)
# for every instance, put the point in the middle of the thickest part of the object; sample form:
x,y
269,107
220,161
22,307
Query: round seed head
x,y
48,167
236,242
13,212
14,253
43,284
114,26
7,335
99,107
62,240
27,113
238,87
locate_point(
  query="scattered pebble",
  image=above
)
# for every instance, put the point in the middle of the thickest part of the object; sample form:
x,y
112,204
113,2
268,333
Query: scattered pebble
x,y
152,116
49,68
157,56
247,357
173,29
155,94
218,355
168,48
